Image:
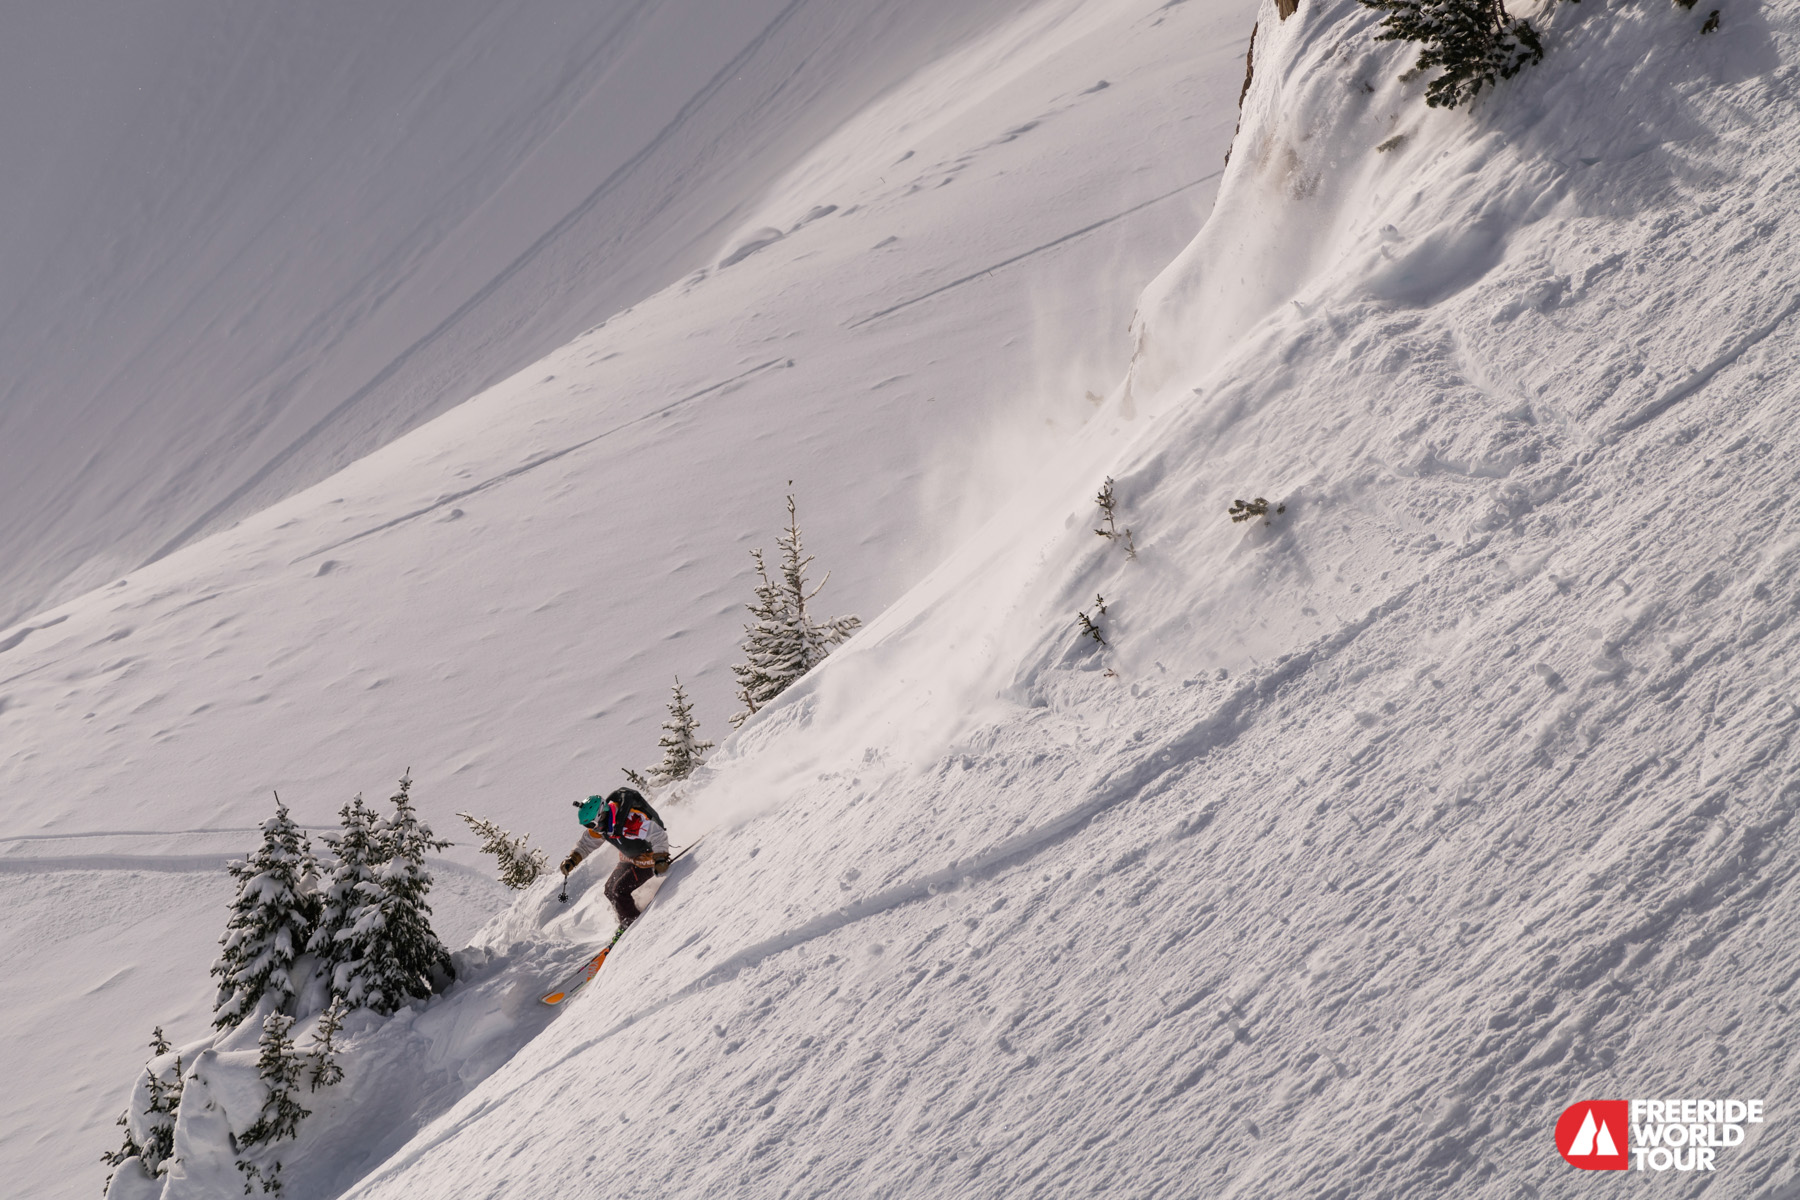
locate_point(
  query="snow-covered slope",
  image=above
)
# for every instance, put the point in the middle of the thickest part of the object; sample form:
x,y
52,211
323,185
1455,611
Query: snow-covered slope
x,y
1372,837
1376,835
501,598
247,243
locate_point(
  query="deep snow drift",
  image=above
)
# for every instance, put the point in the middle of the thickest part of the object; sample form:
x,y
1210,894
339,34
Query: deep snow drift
x,y
501,598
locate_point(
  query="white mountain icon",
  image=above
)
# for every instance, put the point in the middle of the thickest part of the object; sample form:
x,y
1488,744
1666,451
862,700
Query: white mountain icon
x,y
1589,1141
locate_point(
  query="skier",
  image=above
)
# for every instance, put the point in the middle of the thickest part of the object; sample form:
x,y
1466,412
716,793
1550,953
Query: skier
x,y
626,820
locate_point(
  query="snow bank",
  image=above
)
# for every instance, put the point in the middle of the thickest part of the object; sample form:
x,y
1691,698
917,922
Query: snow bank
x,y
399,1071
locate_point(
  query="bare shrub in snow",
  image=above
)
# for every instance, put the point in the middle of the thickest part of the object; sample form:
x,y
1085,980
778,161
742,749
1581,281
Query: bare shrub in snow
x,y
253,1174
784,642
1474,42
1112,533
1086,625
520,864
1241,510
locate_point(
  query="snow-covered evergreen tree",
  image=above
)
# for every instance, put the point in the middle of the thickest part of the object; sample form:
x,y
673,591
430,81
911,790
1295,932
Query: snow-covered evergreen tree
x,y
279,1065
324,1070
783,642
681,745
520,864
159,1091
352,884
271,922
1475,42
390,953
130,1152
757,683
165,1098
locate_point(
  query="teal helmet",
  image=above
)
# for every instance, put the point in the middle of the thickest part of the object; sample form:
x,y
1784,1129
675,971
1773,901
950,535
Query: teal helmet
x,y
590,809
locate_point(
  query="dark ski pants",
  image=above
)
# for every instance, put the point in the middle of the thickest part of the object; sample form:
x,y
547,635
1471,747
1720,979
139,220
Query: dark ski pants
x,y
626,878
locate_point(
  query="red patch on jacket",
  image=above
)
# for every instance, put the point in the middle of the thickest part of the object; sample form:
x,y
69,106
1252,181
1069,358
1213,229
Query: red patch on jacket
x,y
633,823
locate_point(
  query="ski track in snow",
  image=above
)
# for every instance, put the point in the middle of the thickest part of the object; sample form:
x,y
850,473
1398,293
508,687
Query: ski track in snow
x,y
1031,253
548,457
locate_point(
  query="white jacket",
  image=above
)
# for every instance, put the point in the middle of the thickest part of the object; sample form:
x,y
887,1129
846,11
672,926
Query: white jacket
x,y
640,828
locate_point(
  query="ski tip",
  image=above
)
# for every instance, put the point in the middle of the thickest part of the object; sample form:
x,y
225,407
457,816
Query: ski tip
x,y
555,997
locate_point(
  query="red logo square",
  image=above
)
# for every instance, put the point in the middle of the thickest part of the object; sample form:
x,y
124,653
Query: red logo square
x,y
1595,1135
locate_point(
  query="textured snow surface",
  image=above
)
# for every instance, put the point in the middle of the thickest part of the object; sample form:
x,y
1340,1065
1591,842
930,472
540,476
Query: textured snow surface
x,y
1372,838
1379,834
501,599
249,242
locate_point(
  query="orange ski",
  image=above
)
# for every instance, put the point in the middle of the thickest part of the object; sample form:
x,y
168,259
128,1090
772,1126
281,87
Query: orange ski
x,y
591,967
588,970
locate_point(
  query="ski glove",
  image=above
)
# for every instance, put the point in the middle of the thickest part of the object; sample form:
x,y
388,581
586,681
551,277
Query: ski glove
x,y
571,862
661,860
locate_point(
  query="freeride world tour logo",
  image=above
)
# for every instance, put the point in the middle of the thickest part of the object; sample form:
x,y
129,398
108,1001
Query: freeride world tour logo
x,y
1655,1135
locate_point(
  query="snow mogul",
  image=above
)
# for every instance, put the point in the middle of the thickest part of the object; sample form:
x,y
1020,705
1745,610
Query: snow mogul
x,y
626,821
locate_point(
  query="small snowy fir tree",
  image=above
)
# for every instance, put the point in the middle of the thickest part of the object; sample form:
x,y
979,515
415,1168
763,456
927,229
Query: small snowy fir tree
x,y
681,745
165,1099
324,1070
757,684
520,864
279,1065
783,642
351,884
636,779
160,1088
391,953
271,922
124,1154
1474,41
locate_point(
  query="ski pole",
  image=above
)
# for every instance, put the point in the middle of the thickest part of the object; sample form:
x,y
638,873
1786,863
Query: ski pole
x,y
564,894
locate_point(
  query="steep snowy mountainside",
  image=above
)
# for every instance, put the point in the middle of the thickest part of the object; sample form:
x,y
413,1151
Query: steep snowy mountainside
x,y
1375,835
249,243
501,598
